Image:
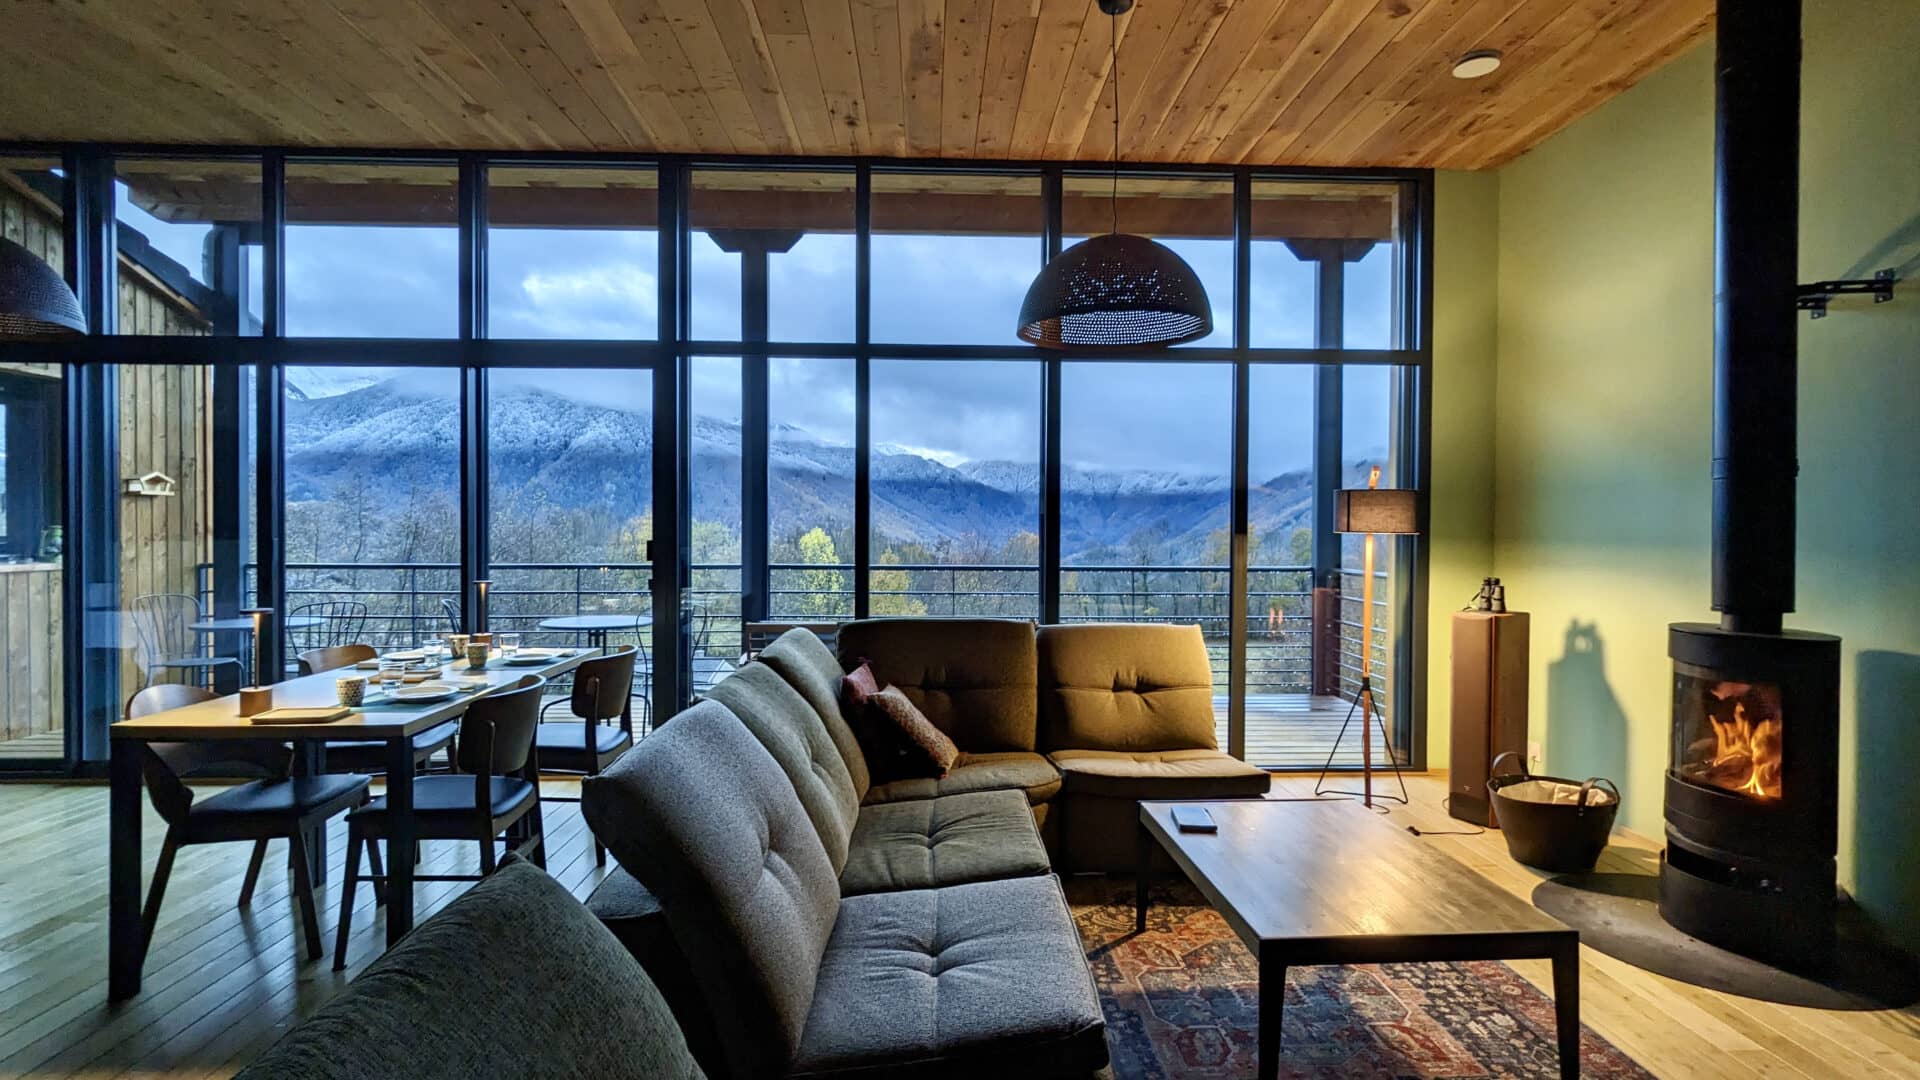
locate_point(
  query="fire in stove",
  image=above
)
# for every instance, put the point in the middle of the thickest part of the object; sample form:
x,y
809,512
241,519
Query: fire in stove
x,y
1740,748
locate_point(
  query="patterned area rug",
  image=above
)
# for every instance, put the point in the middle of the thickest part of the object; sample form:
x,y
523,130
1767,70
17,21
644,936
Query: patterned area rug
x,y
1182,1003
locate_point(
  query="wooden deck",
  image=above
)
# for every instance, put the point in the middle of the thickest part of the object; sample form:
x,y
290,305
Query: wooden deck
x,y
46,746
222,984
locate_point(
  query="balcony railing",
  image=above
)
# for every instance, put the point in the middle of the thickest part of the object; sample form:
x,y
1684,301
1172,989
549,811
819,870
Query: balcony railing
x,y
409,602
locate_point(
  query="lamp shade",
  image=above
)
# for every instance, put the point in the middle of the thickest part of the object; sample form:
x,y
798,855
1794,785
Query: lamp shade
x,y
1376,510
34,299
1115,293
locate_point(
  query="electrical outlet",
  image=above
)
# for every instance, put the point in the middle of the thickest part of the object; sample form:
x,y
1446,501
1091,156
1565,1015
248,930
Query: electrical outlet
x,y
1533,754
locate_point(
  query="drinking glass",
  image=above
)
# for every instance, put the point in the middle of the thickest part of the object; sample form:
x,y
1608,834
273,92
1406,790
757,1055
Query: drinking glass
x,y
509,644
393,675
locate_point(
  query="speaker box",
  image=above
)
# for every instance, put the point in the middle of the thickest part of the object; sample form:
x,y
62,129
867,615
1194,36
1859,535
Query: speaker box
x,y
1489,706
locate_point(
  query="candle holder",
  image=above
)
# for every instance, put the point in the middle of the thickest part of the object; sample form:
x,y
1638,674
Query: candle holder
x,y
480,604
256,698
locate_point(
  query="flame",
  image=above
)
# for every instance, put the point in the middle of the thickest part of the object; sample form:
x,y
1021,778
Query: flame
x,y
1746,754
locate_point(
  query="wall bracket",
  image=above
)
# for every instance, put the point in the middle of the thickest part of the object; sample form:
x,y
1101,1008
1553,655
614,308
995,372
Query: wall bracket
x,y
1813,298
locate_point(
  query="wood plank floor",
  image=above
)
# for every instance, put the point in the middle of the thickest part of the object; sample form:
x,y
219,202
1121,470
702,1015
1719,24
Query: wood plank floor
x,y
222,984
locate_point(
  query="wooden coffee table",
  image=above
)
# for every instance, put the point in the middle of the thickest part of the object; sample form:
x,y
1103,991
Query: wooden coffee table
x,y
1307,883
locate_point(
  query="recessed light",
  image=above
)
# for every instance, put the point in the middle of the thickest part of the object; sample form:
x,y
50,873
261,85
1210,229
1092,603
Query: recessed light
x,y
1476,63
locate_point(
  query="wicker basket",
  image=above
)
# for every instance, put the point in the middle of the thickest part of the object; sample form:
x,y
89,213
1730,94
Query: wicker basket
x,y
1553,823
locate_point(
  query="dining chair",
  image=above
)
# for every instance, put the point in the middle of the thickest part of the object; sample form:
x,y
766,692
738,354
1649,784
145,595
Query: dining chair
x,y
272,807
341,622
602,692
501,798
330,657
164,638
370,755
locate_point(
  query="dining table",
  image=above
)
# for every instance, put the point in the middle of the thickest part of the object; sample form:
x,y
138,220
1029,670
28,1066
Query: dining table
x,y
377,718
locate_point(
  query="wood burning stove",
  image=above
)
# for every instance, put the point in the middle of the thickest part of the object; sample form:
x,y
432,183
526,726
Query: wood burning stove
x,y
1751,791
1751,787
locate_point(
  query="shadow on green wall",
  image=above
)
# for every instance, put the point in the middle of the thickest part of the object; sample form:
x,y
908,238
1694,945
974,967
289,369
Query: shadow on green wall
x,y
1586,727
1886,819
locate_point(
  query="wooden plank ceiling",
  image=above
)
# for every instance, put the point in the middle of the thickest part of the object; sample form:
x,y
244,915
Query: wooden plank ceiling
x,y
1299,82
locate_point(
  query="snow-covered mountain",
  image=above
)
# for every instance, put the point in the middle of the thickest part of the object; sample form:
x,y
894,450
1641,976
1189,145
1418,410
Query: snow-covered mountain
x,y
394,441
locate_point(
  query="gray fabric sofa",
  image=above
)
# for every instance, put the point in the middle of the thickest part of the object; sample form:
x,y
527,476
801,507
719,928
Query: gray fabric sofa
x,y
829,934
514,978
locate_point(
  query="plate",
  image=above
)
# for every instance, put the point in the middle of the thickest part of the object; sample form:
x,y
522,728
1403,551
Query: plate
x,y
422,693
525,660
409,657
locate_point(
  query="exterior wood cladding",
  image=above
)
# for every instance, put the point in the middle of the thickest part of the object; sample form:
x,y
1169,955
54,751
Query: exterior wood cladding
x,y
164,427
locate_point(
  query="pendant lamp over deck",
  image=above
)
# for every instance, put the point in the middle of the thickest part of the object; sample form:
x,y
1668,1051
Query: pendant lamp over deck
x,y
1117,292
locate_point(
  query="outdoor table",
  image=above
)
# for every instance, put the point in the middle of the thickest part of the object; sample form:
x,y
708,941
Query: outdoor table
x,y
596,627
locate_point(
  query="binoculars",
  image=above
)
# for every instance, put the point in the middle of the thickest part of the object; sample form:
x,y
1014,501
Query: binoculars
x,y
1492,597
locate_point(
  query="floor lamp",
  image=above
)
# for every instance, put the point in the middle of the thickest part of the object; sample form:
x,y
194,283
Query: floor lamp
x,y
1369,511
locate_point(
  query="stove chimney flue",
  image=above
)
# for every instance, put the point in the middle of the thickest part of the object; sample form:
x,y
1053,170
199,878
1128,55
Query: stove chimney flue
x,y
1755,328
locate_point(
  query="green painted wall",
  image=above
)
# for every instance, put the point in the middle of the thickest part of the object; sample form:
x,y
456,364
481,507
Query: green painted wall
x,y
1601,447
1466,260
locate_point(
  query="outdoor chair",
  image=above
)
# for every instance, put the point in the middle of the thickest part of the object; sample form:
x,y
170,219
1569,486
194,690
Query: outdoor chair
x,y
341,621
165,640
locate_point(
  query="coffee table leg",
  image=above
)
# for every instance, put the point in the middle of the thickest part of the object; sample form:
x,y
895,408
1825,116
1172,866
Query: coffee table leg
x,y
1273,997
1142,875
1566,1007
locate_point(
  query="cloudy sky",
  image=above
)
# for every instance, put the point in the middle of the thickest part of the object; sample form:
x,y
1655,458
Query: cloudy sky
x,y
360,281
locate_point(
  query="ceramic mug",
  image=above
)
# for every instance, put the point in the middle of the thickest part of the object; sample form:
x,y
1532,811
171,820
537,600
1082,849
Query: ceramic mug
x,y
477,654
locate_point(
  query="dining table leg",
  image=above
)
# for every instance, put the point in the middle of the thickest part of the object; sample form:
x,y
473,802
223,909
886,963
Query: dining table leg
x,y
124,946
310,759
400,838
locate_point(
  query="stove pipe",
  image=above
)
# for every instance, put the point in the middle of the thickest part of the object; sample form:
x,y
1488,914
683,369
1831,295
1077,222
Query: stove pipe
x,y
1755,325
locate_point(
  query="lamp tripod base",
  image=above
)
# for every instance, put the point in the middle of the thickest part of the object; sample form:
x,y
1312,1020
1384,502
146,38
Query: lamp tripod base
x,y
1363,700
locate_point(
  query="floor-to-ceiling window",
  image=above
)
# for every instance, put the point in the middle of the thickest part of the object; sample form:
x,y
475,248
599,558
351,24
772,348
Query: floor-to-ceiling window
x,y
469,356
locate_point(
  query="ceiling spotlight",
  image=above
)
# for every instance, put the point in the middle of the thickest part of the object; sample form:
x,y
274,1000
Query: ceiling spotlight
x,y
1476,63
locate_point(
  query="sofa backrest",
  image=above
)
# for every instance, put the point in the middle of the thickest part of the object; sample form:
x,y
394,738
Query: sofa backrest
x,y
704,817
507,980
1128,687
809,667
794,734
974,678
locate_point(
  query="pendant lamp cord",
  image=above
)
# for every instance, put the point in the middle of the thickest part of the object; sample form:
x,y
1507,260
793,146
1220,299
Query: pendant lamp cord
x,y
1113,64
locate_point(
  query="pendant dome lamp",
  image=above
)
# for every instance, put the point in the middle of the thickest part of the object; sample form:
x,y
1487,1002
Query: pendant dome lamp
x,y
1116,292
34,300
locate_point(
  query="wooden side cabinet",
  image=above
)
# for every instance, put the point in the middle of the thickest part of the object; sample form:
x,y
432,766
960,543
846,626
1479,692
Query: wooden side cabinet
x,y
1489,705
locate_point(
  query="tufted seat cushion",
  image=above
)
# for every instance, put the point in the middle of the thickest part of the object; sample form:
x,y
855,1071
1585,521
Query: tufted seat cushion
x,y
928,843
793,733
985,979
974,678
1028,773
1161,774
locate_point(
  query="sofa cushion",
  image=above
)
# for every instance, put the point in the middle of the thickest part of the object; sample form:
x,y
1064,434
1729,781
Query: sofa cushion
x,y
911,745
1163,774
928,843
974,678
514,957
985,979
1031,774
801,658
704,817
794,734
1112,686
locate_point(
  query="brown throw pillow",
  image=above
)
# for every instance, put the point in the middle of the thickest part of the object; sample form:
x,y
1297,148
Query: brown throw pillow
x,y
923,750
858,686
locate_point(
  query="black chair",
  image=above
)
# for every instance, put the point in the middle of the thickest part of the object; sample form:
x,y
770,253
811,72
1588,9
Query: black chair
x,y
165,639
370,755
501,797
452,610
341,622
276,806
602,692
